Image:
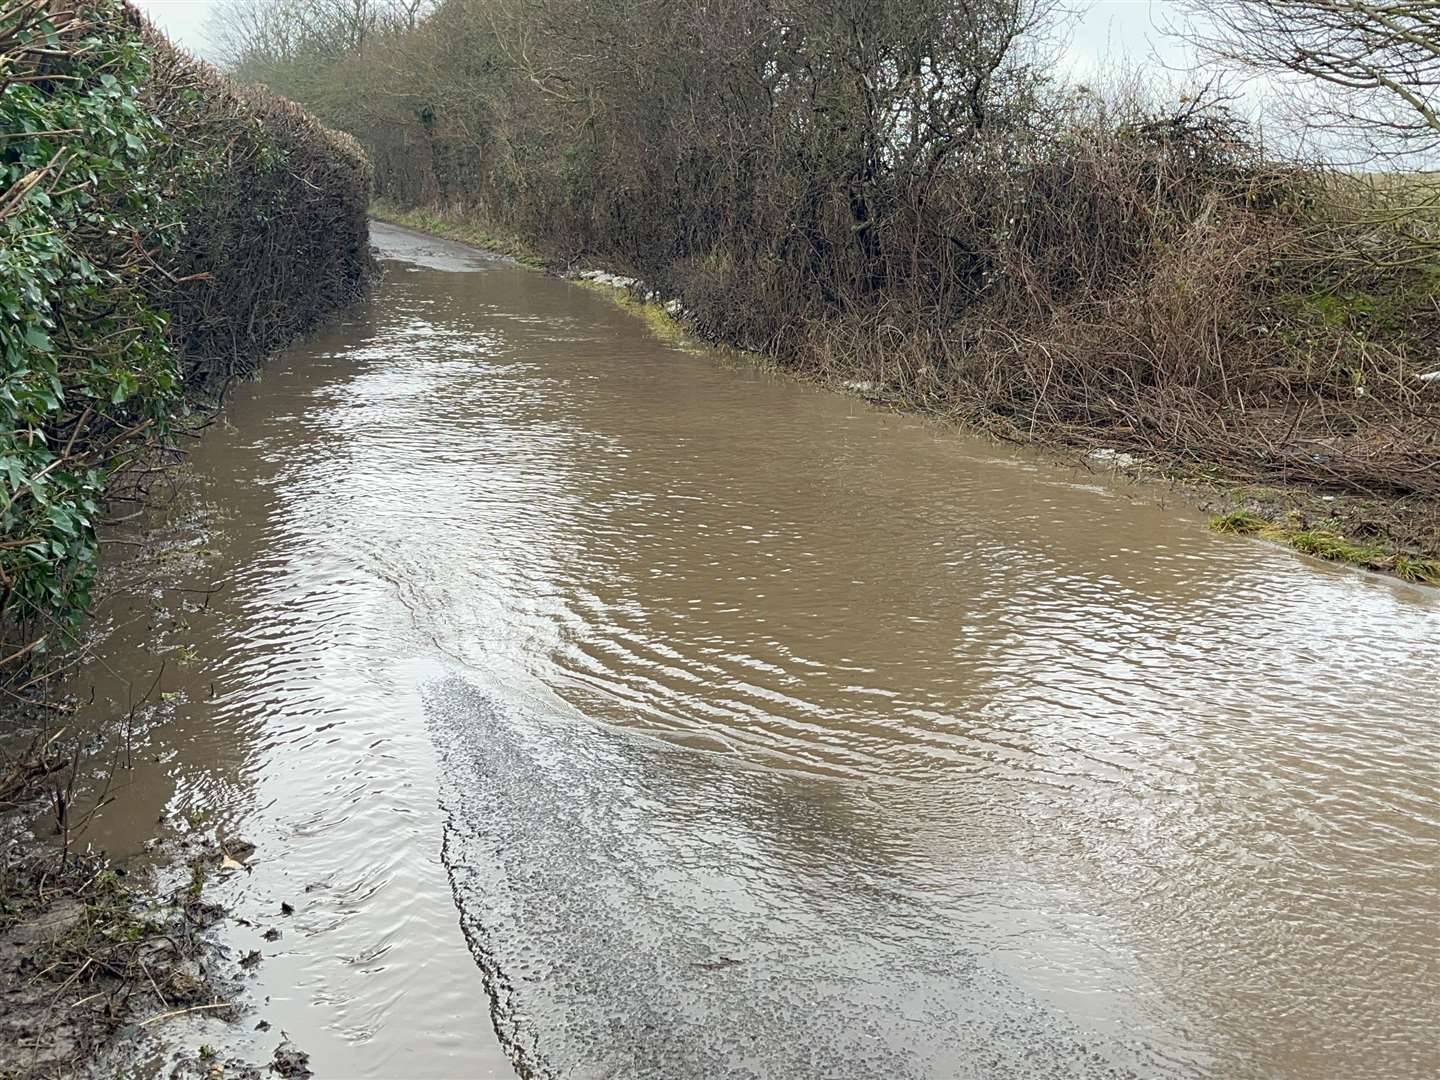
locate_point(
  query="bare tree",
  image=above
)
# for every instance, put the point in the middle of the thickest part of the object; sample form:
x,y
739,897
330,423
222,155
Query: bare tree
x,y
260,35
1365,72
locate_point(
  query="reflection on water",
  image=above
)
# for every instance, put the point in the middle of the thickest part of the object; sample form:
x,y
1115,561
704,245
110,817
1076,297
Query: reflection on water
x,y
769,734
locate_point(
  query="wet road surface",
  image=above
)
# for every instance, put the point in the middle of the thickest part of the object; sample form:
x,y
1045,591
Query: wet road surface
x,y
619,709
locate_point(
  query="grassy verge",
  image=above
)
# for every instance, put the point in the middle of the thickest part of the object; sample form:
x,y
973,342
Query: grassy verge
x,y
1323,539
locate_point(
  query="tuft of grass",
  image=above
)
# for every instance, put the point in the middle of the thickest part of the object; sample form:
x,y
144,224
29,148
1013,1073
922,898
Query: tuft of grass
x,y
198,876
1417,570
1239,523
1324,544
197,818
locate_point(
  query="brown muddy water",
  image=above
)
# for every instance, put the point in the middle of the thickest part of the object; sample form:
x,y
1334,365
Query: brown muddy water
x,y
621,710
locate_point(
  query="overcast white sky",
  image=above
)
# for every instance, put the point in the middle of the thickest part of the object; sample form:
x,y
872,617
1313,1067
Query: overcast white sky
x,y
1109,30
183,20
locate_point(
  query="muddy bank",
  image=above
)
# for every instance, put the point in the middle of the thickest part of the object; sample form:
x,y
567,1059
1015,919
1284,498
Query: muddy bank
x,y
96,956
1399,536
115,966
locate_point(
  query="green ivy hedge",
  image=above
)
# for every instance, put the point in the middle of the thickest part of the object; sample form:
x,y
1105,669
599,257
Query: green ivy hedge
x,y
88,375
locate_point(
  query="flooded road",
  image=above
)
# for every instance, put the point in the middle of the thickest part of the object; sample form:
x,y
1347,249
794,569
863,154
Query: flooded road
x,y
619,710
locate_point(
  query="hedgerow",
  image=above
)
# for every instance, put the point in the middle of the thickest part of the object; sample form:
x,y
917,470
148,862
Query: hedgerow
x,y
272,206
88,374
